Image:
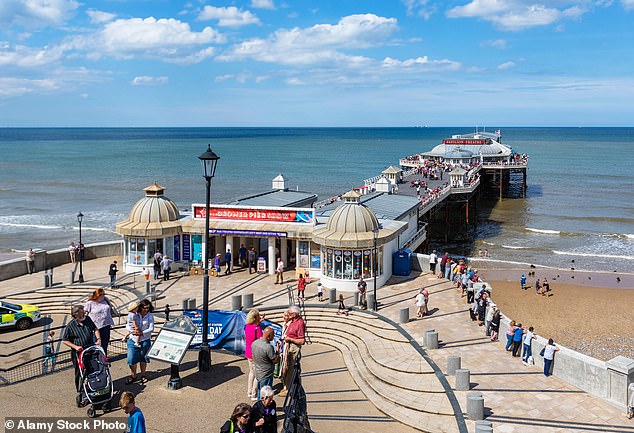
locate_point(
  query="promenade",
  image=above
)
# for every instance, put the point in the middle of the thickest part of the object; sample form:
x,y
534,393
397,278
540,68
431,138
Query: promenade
x,y
341,394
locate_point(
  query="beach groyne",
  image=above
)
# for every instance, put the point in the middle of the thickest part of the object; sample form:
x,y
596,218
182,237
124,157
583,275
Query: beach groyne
x,y
51,259
609,380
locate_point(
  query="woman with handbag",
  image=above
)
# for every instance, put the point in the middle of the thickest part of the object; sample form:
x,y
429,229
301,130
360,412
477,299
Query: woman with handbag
x,y
252,331
99,309
548,352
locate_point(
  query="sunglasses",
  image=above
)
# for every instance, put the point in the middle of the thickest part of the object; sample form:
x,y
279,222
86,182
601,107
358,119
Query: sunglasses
x,y
245,415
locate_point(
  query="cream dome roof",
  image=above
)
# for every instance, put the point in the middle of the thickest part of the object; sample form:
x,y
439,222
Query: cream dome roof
x,y
153,216
350,225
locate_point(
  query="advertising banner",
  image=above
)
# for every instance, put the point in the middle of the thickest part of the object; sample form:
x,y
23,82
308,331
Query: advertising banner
x,y
260,214
225,329
187,255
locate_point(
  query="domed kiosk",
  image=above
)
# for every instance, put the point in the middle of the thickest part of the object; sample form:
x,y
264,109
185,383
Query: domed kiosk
x,y
355,244
153,226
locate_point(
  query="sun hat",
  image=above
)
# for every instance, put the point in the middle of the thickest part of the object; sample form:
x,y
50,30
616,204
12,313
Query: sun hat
x,y
133,305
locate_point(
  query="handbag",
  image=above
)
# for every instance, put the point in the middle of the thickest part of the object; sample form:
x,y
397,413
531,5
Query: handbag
x,y
542,352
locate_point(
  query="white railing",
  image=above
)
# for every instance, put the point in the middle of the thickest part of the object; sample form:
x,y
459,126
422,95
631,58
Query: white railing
x,y
421,233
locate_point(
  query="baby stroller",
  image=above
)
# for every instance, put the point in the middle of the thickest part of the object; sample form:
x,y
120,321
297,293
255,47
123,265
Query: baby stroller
x,y
96,383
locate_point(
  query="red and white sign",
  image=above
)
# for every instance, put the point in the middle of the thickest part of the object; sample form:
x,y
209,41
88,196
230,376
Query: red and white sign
x,y
255,214
466,141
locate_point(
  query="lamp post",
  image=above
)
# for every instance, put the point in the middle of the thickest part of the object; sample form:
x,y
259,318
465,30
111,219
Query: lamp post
x,y
209,161
375,233
80,218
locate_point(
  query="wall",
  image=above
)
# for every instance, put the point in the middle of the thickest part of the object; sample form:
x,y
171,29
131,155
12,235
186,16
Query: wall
x,y
582,371
51,259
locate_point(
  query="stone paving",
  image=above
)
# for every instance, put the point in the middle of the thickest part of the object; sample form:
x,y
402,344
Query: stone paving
x,y
517,398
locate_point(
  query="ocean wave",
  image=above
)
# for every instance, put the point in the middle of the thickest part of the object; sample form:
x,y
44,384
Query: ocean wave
x,y
618,235
513,247
604,256
548,232
33,226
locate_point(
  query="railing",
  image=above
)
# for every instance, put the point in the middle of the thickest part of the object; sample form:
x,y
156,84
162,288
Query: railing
x,y
420,233
506,164
428,203
296,420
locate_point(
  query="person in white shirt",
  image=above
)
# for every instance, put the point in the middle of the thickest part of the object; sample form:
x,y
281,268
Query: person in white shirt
x,y
549,354
279,271
529,336
433,259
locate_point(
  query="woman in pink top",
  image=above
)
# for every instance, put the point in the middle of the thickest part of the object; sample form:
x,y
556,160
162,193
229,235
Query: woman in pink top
x,y
252,331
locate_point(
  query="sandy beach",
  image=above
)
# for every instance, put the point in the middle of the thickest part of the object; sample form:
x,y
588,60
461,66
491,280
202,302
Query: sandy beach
x,y
589,312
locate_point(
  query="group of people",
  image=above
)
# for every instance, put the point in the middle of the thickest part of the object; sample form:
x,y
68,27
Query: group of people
x,y
75,251
541,287
162,265
264,356
519,341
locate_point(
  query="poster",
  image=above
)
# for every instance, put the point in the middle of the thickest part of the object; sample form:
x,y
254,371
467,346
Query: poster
x,y
177,248
186,248
225,329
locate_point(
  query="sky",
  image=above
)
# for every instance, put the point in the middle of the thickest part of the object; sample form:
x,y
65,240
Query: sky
x,y
316,63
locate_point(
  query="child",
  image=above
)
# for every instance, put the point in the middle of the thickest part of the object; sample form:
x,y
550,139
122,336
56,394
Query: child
x,y
49,351
136,420
132,323
523,282
320,292
342,308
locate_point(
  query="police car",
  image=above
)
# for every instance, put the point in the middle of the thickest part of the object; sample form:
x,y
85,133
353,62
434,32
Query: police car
x,y
22,316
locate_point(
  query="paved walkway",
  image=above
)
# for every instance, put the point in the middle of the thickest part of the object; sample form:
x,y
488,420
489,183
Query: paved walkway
x,y
518,398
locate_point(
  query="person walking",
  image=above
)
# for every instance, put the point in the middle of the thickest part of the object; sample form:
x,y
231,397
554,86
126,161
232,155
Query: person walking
x,y
165,266
49,352
112,271
136,420
30,261
264,359
243,256
279,271
157,265
251,257
523,282
548,352
362,288
217,264
294,340
137,355
301,287
79,334
72,250
228,262
99,309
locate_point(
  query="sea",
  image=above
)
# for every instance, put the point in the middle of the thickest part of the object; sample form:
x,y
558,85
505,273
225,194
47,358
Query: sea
x,y
578,211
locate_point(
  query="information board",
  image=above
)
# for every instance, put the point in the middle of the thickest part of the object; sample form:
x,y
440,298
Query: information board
x,y
170,346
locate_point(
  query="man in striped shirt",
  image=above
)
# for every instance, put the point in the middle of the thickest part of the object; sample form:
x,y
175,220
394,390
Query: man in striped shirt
x,y
79,334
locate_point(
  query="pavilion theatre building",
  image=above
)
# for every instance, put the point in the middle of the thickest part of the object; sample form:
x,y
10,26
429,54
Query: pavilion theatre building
x,y
338,243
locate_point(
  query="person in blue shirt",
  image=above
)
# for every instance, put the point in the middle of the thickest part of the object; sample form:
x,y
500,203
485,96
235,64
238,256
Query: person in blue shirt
x,y
136,420
523,282
517,339
228,262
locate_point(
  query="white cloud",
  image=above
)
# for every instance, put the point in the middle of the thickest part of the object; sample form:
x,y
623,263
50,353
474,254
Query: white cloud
x,y
228,16
12,87
36,13
145,80
318,44
421,8
26,57
100,17
500,44
294,81
421,64
516,15
262,4
506,65
169,40
628,4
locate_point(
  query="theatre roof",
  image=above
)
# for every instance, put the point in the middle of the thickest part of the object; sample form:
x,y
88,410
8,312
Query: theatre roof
x,y
277,198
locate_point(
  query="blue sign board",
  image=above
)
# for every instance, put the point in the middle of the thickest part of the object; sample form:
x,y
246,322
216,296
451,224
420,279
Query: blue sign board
x,y
249,233
187,254
225,329
177,248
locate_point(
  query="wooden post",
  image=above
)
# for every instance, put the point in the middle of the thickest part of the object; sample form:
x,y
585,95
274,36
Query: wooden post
x,y
501,182
524,183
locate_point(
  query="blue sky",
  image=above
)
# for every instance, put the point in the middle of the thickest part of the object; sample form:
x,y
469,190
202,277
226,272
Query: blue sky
x,y
319,63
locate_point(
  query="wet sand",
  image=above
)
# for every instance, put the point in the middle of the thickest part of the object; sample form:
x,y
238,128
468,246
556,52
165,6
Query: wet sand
x,y
589,312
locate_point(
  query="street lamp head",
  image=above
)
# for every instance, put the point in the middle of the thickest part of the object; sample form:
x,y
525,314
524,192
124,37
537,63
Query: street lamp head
x,y
209,161
80,217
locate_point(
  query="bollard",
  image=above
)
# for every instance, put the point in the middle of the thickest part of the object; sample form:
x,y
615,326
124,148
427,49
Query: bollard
x,y
46,279
431,340
371,301
483,426
332,296
404,315
236,302
463,379
475,406
356,299
72,277
148,287
191,304
185,305
247,300
453,364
